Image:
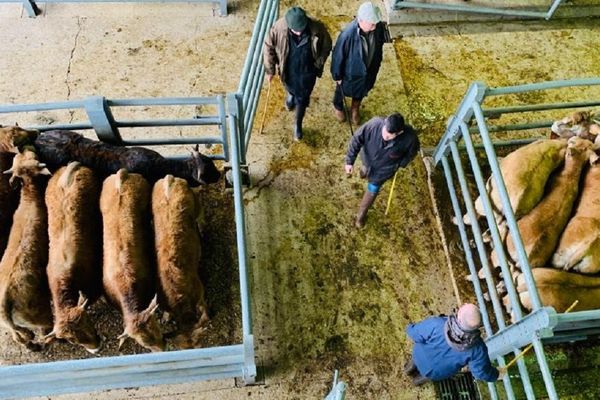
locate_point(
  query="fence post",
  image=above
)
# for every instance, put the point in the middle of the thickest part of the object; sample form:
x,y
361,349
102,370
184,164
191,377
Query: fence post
x,y
102,119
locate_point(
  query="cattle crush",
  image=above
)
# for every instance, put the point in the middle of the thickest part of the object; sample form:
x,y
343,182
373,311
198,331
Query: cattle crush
x,y
468,141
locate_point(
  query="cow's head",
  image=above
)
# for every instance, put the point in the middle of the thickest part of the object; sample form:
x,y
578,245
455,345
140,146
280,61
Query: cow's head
x,y
75,326
26,165
204,169
144,329
13,138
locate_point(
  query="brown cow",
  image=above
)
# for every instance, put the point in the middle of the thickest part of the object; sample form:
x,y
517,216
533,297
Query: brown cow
x,y
579,245
24,293
11,137
175,211
559,289
74,262
525,172
542,226
128,276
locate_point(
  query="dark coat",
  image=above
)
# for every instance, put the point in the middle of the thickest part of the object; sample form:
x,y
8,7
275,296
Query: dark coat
x,y
436,360
347,62
382,158
276,48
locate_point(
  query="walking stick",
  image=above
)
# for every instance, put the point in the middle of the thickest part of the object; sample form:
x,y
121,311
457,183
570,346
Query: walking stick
x,y
389,202
262,123
346,112
521,354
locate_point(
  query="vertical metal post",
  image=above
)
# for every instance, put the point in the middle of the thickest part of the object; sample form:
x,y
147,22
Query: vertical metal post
x,y
31,8
543,363
250,369
506,207
223,127
223,8
102,120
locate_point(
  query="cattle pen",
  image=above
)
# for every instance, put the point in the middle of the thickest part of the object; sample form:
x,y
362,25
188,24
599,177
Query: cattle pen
x,y
469,130
232,122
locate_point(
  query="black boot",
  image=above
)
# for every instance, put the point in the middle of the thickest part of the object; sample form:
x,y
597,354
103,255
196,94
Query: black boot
x,y
300,111
365,204
290,102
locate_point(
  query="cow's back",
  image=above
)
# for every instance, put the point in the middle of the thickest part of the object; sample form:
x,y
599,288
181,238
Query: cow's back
x,y
127,263
74,230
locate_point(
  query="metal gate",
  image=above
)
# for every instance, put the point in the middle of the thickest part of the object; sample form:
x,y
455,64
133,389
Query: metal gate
x,y
233,123
543,325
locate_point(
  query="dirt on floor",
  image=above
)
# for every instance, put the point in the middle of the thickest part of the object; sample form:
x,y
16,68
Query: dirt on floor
x,y
325,295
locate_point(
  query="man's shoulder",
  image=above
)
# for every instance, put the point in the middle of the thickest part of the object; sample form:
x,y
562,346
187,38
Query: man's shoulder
x,y
349,29
316,26
280,25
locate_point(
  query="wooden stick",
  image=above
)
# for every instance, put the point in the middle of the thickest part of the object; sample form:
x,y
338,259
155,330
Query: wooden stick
x,y
389,202
262,123
521,354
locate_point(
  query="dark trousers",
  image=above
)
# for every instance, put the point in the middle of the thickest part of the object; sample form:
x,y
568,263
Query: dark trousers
x,y
338,99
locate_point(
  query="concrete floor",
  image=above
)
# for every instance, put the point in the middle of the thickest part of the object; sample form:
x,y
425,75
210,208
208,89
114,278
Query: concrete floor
x,y
325,295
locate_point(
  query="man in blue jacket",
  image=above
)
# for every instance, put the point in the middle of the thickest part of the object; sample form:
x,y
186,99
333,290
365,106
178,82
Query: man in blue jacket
x,y
444,345
356,59
384,145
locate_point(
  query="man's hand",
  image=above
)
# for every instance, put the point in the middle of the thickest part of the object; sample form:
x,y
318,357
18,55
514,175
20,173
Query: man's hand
x,y
501,373
339,82
269,77
348,169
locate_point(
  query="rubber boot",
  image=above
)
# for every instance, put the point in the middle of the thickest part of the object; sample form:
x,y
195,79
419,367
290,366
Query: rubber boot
x,y
290,103
300,111
365,204
355,112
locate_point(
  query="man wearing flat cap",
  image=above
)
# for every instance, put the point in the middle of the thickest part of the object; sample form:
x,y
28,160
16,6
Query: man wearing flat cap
x,y
297,47
384,145
356,59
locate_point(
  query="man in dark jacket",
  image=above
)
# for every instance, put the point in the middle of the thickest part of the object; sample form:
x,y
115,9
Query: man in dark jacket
x,y
356,59
297,47
444,345
387,144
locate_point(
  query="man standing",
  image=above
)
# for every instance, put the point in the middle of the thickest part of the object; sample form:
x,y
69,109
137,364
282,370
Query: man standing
x,y
356,59
297,47
387,144
444,345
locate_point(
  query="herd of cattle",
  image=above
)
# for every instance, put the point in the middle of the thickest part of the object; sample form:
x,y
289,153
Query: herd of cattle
x,y
554,190
67,238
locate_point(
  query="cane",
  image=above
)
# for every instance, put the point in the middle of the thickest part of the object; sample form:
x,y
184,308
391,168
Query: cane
x,y
262,123
521,354
346,112
389,202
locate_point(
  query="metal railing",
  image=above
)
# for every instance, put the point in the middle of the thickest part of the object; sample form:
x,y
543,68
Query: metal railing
x,y
252,77
157,368
507,12
543,323
32,9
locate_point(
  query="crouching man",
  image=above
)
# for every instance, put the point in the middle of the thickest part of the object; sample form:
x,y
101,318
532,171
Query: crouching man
x,y
444,345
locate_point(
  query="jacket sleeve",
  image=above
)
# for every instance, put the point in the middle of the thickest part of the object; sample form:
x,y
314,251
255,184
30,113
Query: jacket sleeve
x,y
270,54
356,143
338,58
410,154
421,331
481,367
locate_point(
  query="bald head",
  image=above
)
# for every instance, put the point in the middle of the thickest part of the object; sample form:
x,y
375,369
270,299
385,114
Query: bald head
x,y
469,316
